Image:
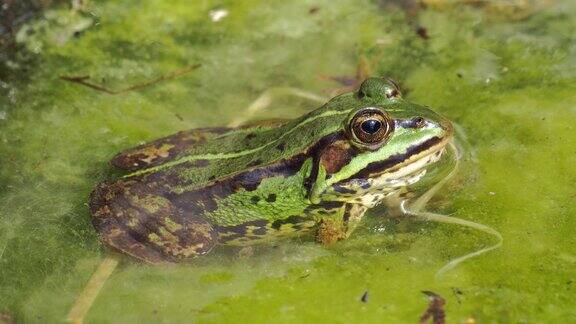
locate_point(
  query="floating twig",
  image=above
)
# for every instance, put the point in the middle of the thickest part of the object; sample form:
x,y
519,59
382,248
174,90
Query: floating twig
x,y
84,80
84,302
6,319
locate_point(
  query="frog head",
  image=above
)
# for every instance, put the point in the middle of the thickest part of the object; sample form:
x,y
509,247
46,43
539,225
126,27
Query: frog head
x,y
384,143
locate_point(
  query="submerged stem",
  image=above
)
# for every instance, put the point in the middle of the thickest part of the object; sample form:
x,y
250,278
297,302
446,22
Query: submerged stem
x,y
421,201
415,208
453,220
86,299
266,99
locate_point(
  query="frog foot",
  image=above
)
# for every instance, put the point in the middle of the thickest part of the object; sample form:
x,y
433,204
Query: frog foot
x,y
330,232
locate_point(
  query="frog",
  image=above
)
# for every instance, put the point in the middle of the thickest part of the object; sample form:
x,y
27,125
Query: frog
x,y
318,174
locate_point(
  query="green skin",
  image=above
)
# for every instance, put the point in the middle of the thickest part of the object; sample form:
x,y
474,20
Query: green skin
x,y
187,192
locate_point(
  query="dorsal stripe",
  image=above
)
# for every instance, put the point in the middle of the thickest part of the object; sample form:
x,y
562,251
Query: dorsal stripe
x,y
218,156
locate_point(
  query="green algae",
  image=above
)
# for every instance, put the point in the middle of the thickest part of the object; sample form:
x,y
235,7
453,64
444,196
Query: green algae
x,y
509,85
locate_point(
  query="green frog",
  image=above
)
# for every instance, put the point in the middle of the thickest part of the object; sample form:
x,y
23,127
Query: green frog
x,y
318,174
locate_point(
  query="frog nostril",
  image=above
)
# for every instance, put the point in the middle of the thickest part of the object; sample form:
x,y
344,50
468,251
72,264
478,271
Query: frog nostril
x,y
418,122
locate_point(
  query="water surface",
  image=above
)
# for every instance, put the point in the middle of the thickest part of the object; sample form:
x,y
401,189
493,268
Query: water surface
x,y
505,74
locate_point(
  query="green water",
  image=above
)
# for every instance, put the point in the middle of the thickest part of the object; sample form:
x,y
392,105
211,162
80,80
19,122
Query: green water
x,y
507,79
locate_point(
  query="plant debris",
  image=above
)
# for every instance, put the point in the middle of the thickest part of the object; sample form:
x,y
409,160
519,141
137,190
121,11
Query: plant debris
x,y
422,32
435,309
364,297
6,319
83,80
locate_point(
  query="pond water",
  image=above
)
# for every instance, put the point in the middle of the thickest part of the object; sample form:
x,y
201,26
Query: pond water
x,y
505,72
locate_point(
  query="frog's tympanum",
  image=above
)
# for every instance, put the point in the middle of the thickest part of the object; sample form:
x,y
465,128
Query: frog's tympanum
x,y
319,173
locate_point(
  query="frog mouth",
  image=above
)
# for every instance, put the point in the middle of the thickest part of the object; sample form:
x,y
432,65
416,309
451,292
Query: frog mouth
x,y
418,157
409,172
404,173
414,159
370,192
421,160
414,170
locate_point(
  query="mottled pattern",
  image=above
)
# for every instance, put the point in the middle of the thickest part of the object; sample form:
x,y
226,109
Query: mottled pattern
x,y
337,155
163,149
147,226
333,229
257,231
198,188
384,183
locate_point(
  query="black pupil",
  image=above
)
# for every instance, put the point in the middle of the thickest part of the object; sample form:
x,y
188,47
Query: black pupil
x,y
371,126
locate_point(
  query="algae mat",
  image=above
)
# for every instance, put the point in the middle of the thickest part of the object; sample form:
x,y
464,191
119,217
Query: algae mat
x,y
505,72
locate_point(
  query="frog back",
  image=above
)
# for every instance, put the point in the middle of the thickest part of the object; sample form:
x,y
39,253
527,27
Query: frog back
x,y
204,155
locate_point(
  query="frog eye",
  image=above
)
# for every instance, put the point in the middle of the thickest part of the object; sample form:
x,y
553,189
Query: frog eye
x,y
379,88
393,91
371,127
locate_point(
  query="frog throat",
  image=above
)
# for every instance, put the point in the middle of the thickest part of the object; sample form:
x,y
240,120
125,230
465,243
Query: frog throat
x,y
371,191
377,174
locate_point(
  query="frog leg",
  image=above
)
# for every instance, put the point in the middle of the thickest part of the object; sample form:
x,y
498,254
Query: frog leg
x,y
115,236
333,229
132,219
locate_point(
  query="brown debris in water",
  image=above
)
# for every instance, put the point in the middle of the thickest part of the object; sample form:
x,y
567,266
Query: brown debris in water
x,y
435,310
6,319
364,297
507,10
422,32
314,10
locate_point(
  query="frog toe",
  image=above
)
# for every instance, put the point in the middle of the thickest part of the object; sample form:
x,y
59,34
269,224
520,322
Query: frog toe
x,y
115,236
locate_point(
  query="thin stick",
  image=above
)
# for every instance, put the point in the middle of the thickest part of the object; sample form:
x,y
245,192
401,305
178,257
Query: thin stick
x,y
106,268
86,299
453,220
419,204
415,210
266,98
83,80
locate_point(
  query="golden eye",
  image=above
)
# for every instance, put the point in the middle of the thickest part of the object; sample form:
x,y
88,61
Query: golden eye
x,y
371,127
